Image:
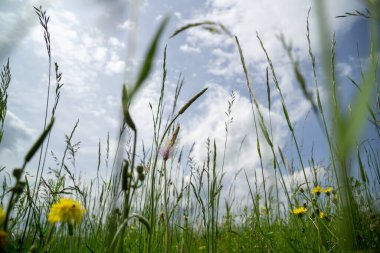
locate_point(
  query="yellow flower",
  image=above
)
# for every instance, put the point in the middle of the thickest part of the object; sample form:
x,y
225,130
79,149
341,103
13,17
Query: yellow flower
x,y
2,215
317,190
66,210
264,211
299,211
322,215
328,190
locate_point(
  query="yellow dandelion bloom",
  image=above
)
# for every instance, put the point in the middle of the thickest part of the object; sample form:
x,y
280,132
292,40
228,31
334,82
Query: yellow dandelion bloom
x,y
317,190
2,215
322,215
299,211
264,211
328,190
66,210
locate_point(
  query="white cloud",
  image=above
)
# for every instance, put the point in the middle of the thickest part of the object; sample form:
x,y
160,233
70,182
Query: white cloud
x,y
80,51
116,43
344,69
100,54
208,121
17,137
224,63
178,15
127,25
16,23
269,19
115,66
188,49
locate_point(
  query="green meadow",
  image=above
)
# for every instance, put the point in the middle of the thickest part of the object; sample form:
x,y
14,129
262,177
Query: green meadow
x,y
146,204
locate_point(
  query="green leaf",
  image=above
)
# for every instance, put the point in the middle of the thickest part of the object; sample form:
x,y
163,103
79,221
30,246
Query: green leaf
x,y
39,141
125,104
149,57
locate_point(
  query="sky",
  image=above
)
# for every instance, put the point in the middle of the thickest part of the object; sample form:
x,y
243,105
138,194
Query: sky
x,y
99,45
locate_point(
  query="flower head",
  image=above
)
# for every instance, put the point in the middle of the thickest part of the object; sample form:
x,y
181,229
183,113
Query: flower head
x,y
317,190
66,210
264,211
322,215
168,147
299,211
328,190
2,215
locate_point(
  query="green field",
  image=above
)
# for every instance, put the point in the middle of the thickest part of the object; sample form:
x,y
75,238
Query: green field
x,y
147,204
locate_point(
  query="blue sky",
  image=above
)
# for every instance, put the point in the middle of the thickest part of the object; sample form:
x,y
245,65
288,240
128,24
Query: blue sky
x,y
91,40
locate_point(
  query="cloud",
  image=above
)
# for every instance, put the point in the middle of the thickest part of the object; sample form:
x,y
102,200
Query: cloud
x,y
17,137
115,42
188,49
16,21
207,120
83,52
115,65
127,25
79,51
269,20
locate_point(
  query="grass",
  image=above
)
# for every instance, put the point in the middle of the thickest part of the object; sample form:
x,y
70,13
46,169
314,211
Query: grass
x,y
148,206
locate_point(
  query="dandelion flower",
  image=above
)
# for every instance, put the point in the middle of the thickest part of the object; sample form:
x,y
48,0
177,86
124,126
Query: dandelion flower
x,y
299,211
66,210
317,190
264,211
2,215
322,215
328,191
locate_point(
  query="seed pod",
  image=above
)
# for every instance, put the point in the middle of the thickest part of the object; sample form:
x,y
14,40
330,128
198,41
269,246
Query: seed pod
x,y
141,177
17,173
140,169
19,187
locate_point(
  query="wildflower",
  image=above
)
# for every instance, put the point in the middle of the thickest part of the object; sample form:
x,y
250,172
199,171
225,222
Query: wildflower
x,y
2,215
165,152
322,215
168,147
317,190
264,211
66,210
299,211
328,191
